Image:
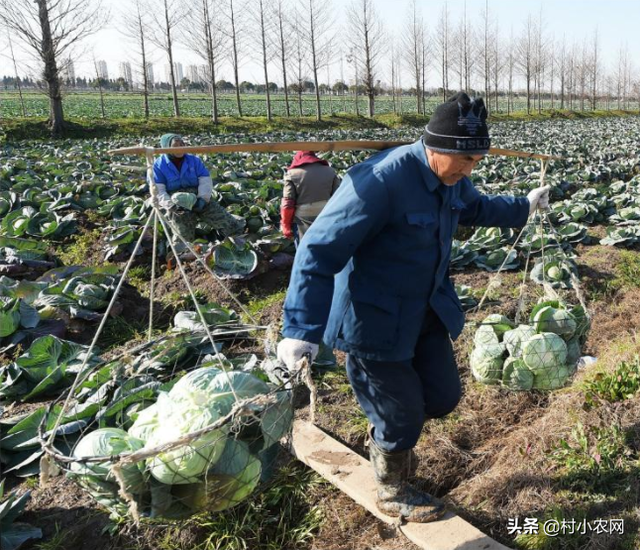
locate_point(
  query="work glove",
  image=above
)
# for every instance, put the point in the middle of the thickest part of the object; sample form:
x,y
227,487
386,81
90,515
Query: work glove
x,y
290,351
164,199
287,212
199,206
538,198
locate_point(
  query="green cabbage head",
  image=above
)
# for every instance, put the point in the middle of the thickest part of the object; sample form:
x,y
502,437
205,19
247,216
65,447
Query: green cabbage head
x,y
184,200
515,339
543,351
516,375
108,442
486,363
551,378
556,320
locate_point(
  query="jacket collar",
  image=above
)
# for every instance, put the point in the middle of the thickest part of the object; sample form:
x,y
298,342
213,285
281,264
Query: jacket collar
x,y
430,179
167,162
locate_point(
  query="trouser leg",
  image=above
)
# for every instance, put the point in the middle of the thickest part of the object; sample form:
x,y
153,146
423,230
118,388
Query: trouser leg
x,y
185,224
217,217
435,364
390,394
398,396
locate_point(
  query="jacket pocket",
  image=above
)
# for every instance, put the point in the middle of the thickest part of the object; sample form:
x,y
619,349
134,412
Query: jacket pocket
x,y
421,219
457,206
372,319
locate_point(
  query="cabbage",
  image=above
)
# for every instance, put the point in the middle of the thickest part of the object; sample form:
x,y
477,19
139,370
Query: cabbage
x,y
558,321
147,420
9,321
516,375
276,419
194,386
499,323
555,273
551,378
90,296
502,257
543,351
184,200
515,339
485,336
582,320
212,388
486,363
228,482
186,463
108,442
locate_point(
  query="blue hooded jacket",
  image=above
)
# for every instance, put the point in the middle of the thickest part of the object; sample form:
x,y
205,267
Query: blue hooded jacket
x,y
166,173
378,256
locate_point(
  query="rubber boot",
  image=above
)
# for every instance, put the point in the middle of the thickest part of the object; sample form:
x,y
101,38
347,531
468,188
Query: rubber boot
x,y
395,496
412,463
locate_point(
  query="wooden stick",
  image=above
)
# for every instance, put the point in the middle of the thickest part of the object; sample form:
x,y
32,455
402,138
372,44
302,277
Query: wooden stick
x,y
268,147
302,146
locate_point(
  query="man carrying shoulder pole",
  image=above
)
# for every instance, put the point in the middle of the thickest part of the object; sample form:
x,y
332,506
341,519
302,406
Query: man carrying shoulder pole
x,y
371,278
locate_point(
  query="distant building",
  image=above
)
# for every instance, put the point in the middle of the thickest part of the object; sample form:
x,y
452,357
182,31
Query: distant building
x,y
150,74
167,73
103,71
69,72
193,73
205,75
126,74
179,74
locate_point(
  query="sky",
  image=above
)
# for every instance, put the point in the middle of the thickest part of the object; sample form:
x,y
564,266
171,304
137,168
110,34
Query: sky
x,y
615,20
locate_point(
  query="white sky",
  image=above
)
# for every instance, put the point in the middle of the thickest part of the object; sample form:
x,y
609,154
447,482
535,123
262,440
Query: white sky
x,y
615,20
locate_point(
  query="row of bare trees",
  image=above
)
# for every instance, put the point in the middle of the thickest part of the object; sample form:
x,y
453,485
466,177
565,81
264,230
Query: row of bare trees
x,y
542,64
298,40
294,37
50,30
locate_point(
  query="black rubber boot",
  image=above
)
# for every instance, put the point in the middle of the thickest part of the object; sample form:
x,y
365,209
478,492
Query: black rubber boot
x,y
395,496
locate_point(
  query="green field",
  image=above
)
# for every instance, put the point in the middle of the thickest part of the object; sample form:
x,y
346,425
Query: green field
x,y
130,105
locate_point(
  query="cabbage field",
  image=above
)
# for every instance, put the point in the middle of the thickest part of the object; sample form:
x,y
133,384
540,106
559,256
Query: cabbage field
x,y
129,105
543,431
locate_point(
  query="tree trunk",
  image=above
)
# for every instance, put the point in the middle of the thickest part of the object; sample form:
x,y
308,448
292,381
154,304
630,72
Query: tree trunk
x,y
15,68
283,59
145,77
235,60
99,81
264,61
423,73
355,90
174,91
314,62
211,62
50,74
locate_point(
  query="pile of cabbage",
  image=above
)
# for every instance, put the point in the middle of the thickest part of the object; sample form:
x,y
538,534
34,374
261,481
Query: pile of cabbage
x,y
213,471
541,355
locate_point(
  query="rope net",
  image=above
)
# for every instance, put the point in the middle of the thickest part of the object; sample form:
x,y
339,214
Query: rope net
x,y
539,348
175,426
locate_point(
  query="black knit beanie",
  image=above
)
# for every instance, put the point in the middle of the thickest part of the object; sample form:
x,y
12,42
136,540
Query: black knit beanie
x,y
458,126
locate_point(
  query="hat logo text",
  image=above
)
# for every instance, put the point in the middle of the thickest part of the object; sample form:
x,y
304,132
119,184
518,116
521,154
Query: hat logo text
x,y
470,120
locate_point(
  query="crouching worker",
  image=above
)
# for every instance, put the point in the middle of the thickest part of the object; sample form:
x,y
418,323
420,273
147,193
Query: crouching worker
x,y
308,184
185,173
371,278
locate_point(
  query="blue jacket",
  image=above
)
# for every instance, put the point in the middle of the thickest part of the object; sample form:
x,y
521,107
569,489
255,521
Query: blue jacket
x,y
166,173
378,256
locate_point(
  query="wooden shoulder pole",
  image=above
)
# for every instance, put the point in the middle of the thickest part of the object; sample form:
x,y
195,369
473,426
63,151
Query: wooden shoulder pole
x,y
353,145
